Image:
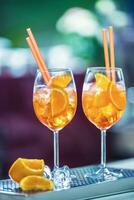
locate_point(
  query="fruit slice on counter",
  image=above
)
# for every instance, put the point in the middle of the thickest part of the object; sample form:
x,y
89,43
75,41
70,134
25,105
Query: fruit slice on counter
x,y
36,183
24,167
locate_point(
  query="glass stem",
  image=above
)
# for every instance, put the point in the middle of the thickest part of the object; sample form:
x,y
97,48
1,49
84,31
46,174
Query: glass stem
x,y
103,148
56,149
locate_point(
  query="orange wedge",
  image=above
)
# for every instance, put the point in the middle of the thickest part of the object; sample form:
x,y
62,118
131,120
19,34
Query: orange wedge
x,y
59,101
102,81
117,96
61,80
100,99
25,167
36,183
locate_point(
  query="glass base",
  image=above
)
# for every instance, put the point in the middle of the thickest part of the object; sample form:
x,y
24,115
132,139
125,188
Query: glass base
x,y
104,174
62,178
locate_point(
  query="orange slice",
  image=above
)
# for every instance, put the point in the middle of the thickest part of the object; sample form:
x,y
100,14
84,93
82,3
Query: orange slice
x,y
117,96
102,81
25,167
61,80
36,183
59,101
101,99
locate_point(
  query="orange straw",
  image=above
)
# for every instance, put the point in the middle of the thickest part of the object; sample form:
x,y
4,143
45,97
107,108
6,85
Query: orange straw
x,y
111,39
37,60
38,57
106,55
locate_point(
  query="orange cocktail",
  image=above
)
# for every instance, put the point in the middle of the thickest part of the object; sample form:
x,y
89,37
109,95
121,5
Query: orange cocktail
x,y
55,106
55,103
103,101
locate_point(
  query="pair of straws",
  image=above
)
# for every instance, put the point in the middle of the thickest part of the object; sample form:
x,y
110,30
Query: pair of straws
x,y
43,68
37,55
106,53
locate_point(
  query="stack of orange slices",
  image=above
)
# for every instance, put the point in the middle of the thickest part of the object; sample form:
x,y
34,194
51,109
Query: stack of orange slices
x,y
29,174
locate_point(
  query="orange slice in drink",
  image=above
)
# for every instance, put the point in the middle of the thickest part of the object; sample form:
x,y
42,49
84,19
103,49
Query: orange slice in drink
x,y
101,99
25,167
61,80
102,81
59,101
36,183
117,96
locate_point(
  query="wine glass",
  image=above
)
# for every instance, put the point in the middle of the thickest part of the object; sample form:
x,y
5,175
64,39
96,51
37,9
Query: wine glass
x,y
55,105
104,102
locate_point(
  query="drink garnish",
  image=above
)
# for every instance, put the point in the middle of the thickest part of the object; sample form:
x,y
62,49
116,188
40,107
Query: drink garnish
x,y
59,101
60,80
102,81
117,97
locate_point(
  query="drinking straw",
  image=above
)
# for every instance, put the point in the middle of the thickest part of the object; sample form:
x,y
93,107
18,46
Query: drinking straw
x,y
111,39
106,55
38,57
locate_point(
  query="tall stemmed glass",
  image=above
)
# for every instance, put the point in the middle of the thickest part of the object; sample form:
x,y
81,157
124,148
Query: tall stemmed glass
x,y
55,105
103,102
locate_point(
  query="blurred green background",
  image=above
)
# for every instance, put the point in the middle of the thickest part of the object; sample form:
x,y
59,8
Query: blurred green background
x,y
41,16
47,20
